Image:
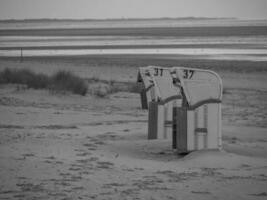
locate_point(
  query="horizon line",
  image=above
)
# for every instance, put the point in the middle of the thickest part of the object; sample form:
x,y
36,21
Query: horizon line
x,y
122,18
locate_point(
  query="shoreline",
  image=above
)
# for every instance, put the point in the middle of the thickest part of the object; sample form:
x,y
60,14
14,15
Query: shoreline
x,y
144,60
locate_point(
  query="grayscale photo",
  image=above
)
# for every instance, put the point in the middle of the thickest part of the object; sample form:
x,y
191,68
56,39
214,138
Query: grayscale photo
x,y
133,99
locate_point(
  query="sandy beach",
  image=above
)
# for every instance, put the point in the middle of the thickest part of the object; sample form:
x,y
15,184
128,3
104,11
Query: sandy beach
x,y
65,146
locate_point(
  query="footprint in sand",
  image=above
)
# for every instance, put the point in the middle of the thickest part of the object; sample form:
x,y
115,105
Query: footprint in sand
x,y
91,147
200,192
262,194
104,165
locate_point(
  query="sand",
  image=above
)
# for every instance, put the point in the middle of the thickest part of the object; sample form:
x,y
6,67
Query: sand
x,y
65,146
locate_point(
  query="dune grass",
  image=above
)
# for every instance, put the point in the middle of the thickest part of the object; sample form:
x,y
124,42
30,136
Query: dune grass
x,y
60,81
24,76
64,81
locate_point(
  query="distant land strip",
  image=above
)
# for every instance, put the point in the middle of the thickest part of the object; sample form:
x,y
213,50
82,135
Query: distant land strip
x,y
133,46
213,31
115,19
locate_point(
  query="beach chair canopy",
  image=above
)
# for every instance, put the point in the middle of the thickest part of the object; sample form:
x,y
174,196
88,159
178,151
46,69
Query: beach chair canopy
x,y
164,87
199,86
144,77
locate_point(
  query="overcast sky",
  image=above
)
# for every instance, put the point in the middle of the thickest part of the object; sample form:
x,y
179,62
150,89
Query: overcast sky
x,y
101,9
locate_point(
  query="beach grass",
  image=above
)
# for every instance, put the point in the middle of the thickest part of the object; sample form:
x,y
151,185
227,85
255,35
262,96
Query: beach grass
x,y
25,77
63,81
60,81
66,80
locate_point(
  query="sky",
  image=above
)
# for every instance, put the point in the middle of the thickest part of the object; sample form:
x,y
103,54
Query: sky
x,y
104,9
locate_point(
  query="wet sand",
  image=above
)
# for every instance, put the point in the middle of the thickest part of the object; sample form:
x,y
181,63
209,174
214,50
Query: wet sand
x,y
204,53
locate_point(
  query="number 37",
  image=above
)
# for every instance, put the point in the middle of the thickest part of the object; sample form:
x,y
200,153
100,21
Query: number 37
x,y
188,74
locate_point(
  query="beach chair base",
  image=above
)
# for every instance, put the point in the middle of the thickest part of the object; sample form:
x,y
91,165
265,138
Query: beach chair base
x,y
197,129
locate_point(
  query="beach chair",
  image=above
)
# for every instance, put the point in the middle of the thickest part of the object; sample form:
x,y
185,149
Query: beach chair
x,y
197,123
147,92
160,107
